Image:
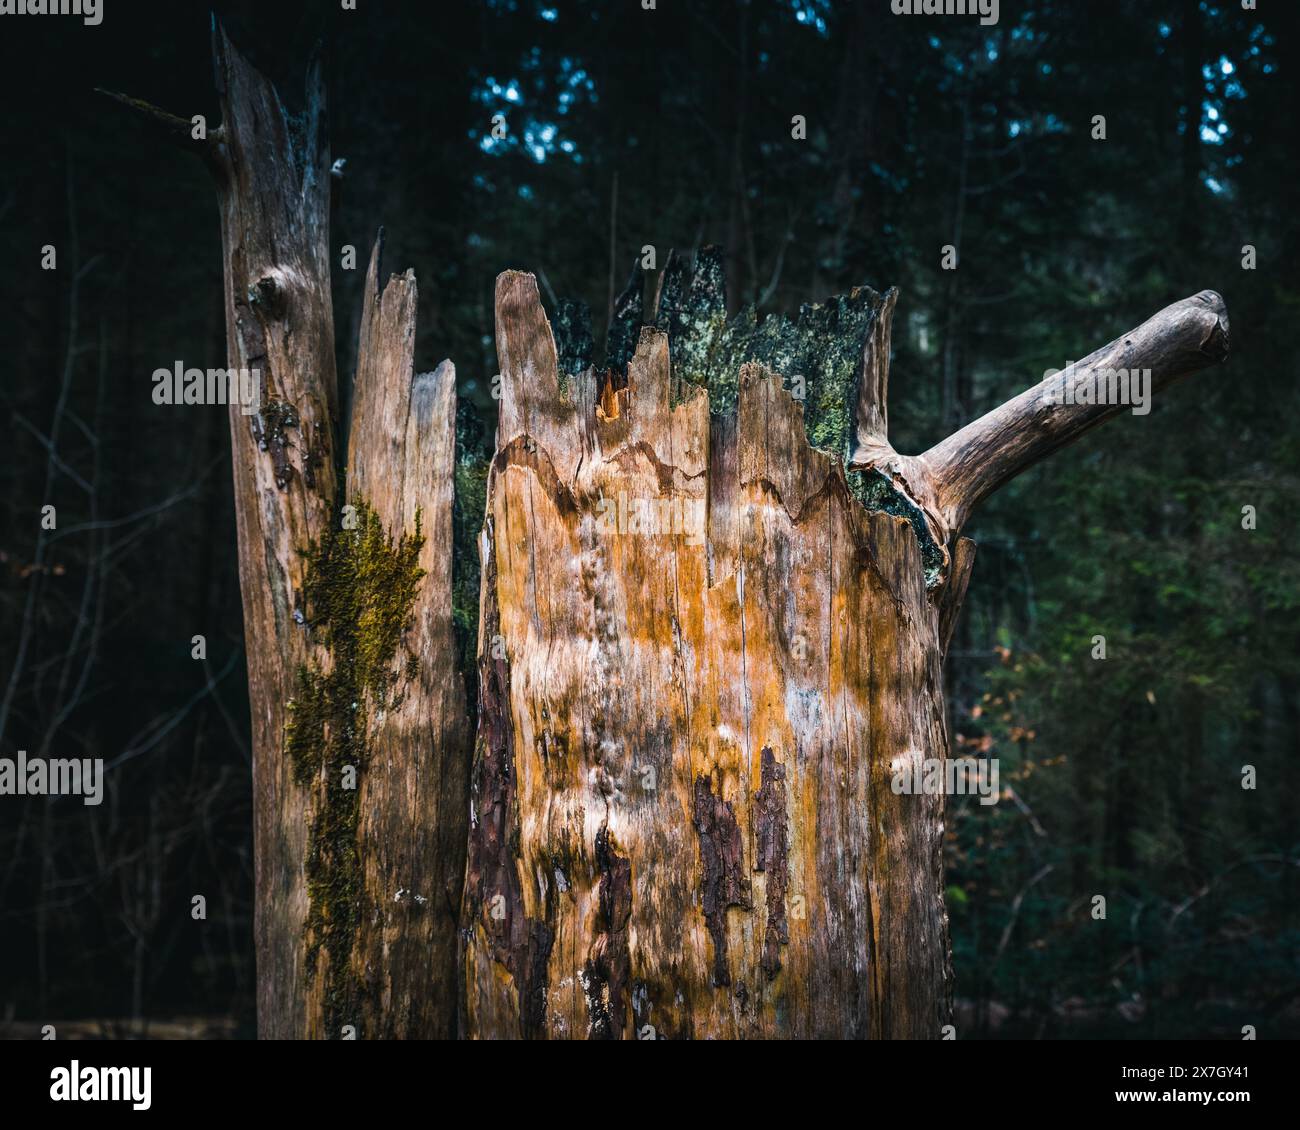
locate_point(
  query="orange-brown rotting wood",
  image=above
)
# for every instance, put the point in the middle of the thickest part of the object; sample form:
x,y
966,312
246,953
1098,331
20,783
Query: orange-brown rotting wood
x,y
687,827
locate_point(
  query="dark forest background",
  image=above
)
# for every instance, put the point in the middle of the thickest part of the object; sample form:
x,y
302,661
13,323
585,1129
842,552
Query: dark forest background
x,y
672,128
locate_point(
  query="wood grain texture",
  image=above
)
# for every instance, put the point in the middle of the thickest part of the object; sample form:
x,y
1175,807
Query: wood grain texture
x,y
357,887
413,793
682,816
275,218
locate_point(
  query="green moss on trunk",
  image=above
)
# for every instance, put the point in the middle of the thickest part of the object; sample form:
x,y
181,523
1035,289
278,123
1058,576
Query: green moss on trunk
x,y
360,590
819,354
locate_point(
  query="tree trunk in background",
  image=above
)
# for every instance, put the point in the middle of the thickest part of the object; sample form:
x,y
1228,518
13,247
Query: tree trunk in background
x,y
705,650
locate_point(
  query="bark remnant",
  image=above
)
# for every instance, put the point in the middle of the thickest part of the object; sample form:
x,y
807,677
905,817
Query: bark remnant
x,y
723,882
770,858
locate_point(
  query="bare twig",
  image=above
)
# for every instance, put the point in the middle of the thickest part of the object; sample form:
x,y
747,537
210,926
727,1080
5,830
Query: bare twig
x,y
170,128
1040,874
1192,899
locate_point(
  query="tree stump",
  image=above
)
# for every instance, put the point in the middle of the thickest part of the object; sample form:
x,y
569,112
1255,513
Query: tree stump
x,y
704,656
705,649
701,657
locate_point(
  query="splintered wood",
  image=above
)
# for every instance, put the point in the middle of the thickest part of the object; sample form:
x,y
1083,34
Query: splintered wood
x,y
700,660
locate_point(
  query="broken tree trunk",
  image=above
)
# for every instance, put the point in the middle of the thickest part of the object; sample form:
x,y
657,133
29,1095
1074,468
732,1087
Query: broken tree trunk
x,y
704,655
360,734
704,648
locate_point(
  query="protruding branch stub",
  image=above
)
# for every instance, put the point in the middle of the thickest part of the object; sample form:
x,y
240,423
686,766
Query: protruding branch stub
x,y
949,480
836,353
178,131
252,114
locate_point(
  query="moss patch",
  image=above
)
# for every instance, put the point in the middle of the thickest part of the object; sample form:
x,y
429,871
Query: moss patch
x,y
876,492
360,589
819,354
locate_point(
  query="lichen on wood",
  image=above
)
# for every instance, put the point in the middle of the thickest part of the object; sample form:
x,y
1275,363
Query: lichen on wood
x,y
819,353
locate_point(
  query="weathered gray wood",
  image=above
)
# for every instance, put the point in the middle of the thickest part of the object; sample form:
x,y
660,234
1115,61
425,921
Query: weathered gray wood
x,y
360,735
950,479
